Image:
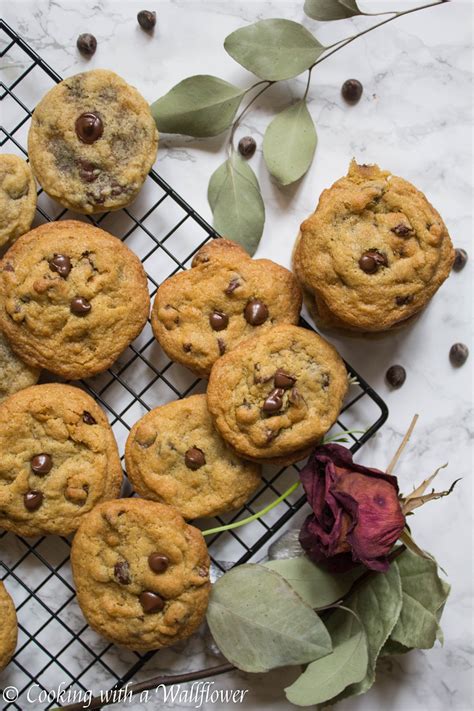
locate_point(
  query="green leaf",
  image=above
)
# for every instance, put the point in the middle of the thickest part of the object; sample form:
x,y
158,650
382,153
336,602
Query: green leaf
x,y
391,647
274,49
316,586
289,143
201,105
331,9
329,676
260,623
236,202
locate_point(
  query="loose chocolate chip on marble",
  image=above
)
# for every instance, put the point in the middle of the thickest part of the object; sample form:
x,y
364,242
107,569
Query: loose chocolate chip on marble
x,y
256,312
122,572
33,500
194,458
80,306
351,91
283,380
221,345
88,419
247,146
274,401
233,285
146,20
61,264
458,354
218,320
41,464
403,300
460,259
402,230
86,44
396,376
187,347
89,127
151,602
158,563
371,261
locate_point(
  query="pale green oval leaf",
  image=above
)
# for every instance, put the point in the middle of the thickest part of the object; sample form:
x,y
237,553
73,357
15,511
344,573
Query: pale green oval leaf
x,y
236,202
392,648
260,623
289,143
201,105
331,9
316,586
274,49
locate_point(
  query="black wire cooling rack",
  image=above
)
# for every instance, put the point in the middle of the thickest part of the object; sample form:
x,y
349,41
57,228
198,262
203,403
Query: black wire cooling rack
x,y
55,645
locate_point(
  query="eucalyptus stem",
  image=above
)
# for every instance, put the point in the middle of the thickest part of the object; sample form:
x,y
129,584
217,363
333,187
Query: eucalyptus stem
x,y
247,106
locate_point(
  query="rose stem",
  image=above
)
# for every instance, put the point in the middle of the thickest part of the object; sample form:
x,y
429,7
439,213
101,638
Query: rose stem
x,y
399,451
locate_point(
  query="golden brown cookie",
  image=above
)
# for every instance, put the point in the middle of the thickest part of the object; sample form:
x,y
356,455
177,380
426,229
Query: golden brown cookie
x,y
8,627
200,314
92,142
58,459
14,374
374,252
274,396
174,455
17,198
141,573
72,298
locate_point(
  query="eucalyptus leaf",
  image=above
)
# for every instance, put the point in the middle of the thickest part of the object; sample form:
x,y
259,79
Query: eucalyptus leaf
x,y
274,49
289,143
315,585
202,105
331,9
236,202
260,623
391,648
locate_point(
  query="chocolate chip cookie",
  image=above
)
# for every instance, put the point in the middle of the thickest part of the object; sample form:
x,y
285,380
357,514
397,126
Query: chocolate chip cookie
x,y
174,455
200,314
58,459
92,142
374,252
8,627
141,573
17,198
275,395
14,374
72,298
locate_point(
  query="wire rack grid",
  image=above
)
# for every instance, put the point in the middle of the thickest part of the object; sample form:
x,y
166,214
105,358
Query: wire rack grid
x,y
55,645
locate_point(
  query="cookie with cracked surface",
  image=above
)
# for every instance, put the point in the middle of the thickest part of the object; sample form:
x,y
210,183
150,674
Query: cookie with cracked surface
x,y
73,298
274,396
14,374
200,314
141,573
59,459
373,253
17,198
8,628
92,142
174,455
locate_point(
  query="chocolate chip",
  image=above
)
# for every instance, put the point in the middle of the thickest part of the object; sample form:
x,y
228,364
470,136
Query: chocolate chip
x,y
402,230
88,419
295,398
221,345
33,500
403,300
325,380
41,464
256,312
88,172
218,320
371,261
10,268
146,20
187,347
460,259
247,146
61,264
80,306
351,91
158,563
274,401
151,602
233,285
122,572
283,380
458,354
194,458
396,376
89,127
86,44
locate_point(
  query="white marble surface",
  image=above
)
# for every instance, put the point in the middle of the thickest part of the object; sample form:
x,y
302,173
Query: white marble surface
x,y
414,119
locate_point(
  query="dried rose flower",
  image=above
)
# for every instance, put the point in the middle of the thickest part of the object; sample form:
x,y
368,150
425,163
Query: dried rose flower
x,y
356,516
